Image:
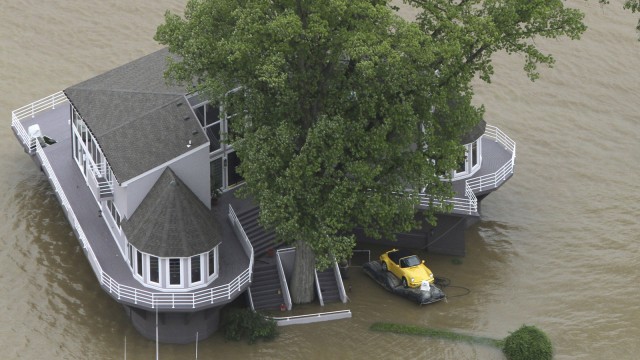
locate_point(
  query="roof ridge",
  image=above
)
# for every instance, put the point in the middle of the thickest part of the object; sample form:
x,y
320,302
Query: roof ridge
x,y
139,116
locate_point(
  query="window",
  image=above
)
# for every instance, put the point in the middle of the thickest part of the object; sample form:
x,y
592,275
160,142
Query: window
x,y
216,174
139,262
130,251
233,177
207,114
154,269
212,267
115,215
474,153
209,117
213,133
196,270
175,277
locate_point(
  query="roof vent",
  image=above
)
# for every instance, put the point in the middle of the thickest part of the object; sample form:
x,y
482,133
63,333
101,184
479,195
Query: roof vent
x,y
194,132
179,104
173,183
186,118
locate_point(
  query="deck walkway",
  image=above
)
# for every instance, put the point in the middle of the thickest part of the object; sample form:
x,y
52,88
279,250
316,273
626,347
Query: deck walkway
x,y
233,260
494,157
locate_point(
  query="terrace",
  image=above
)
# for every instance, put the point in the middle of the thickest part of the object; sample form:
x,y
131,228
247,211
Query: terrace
x,y
107,261
498,161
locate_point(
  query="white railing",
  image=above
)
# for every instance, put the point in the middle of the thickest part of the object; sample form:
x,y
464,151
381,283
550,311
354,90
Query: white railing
x,y
312,318
482,183
32,109
338,275
37,106
244,239
492,181
129,293
283,282
105,187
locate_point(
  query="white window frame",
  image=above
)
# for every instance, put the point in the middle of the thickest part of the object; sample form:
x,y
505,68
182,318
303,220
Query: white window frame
x,y
202,273
148,257
130,256
469,168
211,277
139,264
168,273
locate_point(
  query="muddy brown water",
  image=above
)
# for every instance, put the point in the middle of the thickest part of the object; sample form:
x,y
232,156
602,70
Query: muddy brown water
x,y
558,245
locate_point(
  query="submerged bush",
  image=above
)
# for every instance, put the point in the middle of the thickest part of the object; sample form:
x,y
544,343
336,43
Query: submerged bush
x,y
528,343
238,323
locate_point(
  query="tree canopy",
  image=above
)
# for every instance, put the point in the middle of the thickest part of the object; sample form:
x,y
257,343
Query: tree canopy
x,y
349,110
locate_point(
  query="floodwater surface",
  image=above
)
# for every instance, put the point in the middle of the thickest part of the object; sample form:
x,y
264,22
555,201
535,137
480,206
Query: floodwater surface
x,y
557,246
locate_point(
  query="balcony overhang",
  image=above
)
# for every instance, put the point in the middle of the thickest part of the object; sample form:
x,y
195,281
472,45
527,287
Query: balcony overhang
x,y
498,162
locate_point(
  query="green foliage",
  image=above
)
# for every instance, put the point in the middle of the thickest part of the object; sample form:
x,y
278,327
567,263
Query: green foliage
x,y
240,323
528,343
346,112
434,333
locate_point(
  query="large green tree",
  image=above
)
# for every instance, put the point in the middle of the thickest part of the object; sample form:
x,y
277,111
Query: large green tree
x,y
349,110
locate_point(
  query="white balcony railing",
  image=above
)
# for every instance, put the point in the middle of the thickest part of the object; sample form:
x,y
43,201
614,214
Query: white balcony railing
x,y
35,107
469,204
124,292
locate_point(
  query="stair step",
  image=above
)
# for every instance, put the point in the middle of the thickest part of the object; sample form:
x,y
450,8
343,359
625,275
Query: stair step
x,y
248,213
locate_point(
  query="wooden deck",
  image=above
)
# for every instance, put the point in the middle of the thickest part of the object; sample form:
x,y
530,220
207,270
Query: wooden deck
x,y
233,260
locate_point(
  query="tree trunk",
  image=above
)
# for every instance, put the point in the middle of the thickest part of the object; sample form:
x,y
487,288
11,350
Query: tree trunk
x,y
303,274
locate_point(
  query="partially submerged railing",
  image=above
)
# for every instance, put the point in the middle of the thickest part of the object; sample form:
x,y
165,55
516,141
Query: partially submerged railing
x,y
338,275
283,282
312,318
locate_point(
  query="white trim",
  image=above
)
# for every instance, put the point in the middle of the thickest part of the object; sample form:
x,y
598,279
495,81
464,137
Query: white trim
x,y
148,257
166,164
470,170
202,273
139,255
168,284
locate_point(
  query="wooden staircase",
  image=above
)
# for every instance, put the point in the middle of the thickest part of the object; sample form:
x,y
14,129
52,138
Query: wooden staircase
x,y
266,292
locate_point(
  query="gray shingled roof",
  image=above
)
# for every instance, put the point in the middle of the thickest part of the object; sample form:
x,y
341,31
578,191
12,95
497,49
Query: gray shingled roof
x,y
171,221
134,115
473,134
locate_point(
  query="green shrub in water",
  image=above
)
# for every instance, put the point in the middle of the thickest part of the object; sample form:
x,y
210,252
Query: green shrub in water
x,y
238,323
528,343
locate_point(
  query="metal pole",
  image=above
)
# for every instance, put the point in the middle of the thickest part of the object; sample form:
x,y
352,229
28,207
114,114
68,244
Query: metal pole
x,y
125,347
157,353
196,345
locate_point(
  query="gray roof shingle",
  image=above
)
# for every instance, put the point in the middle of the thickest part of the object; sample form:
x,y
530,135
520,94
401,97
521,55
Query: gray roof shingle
x,y
134,115
171,221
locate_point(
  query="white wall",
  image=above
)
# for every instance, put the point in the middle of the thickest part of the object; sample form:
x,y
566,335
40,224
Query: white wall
x,y
192,169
